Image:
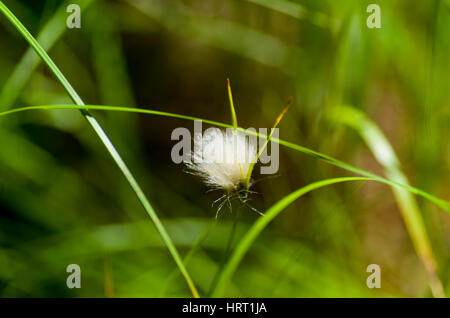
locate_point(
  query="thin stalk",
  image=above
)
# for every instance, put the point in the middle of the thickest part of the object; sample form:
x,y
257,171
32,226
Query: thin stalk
x,y
226,253
233,111
253,163
106,141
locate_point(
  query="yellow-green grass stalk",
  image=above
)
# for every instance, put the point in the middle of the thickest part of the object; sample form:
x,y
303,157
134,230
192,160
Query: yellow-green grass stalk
x,y
253,163
386,157
232,109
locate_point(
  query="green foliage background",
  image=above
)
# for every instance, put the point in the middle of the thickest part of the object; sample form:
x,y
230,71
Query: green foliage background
x,y
63,200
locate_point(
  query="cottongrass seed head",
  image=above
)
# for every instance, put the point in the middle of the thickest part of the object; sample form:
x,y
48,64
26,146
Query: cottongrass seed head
x,y
225,159
222,158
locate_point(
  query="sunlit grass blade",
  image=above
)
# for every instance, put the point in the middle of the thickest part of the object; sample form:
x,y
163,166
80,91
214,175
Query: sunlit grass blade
x,y
385,155
253,163
338,163
106,141
250,236
233,111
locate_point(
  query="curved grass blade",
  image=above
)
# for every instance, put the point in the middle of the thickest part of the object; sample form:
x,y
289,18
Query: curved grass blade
x,y
251,235
385,155
338,163
106,141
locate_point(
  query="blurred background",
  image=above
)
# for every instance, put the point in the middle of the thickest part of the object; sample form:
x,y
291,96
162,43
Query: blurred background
x,y
63,201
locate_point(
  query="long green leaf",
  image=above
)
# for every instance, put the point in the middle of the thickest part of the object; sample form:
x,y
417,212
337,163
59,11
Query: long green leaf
x,y
106,141
251,235
385,155
442,203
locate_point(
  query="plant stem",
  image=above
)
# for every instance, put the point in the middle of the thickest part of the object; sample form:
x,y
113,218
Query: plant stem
x,y
226,253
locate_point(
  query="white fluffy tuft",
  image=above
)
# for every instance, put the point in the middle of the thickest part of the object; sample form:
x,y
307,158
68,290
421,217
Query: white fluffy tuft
x,y
222,158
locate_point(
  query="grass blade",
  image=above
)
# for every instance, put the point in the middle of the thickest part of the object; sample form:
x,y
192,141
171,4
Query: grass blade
x,y
385,155
253,163
251,235
106,141
445,205
233,111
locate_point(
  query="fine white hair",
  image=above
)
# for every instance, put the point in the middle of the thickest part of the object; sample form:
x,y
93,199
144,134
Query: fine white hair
x,y
222,158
